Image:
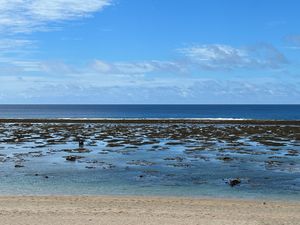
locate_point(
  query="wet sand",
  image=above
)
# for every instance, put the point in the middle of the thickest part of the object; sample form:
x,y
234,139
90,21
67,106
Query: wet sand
x,y
144,210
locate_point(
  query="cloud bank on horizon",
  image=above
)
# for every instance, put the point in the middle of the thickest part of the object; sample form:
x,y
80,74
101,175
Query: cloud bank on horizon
x,y
109,51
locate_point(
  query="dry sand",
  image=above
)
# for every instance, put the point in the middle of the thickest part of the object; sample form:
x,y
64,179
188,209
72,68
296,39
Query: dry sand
x,y
144,210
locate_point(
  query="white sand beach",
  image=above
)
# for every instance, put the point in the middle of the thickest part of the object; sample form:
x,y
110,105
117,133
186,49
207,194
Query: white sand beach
x,y
145,210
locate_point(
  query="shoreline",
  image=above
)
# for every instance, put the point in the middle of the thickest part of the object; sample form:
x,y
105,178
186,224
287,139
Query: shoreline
x,y
144,210
152,121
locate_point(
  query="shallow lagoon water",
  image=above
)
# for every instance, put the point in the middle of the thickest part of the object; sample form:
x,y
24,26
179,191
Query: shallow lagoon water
x,y
157,159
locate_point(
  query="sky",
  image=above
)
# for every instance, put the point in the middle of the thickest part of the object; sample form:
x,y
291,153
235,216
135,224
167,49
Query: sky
x,y
149,52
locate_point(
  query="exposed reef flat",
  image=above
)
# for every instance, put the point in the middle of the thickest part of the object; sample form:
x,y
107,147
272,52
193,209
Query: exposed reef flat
x,y
157,157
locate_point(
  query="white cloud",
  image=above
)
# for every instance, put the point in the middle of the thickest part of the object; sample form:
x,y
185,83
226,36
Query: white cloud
x,y
14,55
101,66
220,57
216,52
10,48
25,16
205,57
293,39
8,44
142,67
57,67
176,90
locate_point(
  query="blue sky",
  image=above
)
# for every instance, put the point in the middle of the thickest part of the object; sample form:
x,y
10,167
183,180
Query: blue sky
x,y
149,51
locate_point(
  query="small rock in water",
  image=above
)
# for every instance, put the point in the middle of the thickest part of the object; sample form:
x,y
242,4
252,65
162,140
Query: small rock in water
x,y
234,182
18,166
46,177
226,158
90,167
71,158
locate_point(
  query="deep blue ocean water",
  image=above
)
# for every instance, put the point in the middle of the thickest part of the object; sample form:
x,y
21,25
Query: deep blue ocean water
x,y
274,112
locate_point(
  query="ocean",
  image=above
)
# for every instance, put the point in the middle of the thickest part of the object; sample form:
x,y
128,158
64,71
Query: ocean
x,y
266,112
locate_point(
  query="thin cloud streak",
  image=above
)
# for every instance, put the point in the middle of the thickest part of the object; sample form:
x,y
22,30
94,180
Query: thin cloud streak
x,y
225,57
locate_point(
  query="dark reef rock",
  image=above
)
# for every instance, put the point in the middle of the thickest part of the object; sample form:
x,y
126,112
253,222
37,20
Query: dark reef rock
x,y
234,182
225,159
18,166
73,158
